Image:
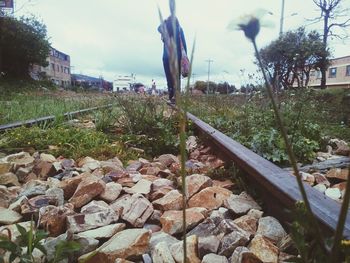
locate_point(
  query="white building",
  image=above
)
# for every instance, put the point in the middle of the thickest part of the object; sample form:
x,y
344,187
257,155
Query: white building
x,y
123,82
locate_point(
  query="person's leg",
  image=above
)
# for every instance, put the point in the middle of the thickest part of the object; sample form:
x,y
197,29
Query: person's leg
x,y
169,78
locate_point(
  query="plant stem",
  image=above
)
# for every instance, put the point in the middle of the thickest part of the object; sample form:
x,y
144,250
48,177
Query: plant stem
x,y
290,152
341,222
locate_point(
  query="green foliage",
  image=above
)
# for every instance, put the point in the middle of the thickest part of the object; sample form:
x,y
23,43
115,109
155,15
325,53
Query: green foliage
x,y
146,127
294,54
67,141
23,248
29,101
311,118
23,42
64,249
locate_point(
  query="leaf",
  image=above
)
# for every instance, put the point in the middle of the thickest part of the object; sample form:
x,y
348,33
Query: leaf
x,y
8,245
41,248
64,248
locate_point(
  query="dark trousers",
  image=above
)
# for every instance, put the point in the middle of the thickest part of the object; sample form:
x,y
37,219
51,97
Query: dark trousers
x,y
169,77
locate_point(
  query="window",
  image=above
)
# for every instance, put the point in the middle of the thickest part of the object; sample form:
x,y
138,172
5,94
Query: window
x,y
332,72
348,70
58,68
61,68
53,66
319,74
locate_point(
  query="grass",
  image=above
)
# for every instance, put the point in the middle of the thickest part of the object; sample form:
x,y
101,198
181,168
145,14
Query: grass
x,y
33,100
311,117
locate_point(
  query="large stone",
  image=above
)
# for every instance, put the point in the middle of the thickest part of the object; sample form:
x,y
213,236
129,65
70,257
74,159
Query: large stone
x,y
89,164
227,184
321,179
172,220
142,187
308,178
162,254
191,247
162,183
171,201
248,223
341,186
264,249
338,173
22,159
9,179
16,206
124,244
137,210
35,203
167,159
47,157
82,222
5,166
23,174
69,185
57,193
109,166
44,169
8,217
238,237
103,232
197,182
270,228
244,255
34,188
342,148
149,170
333,193
208,244
111,192
54,219
241,204
210,198
6,197
211,258
94,207
87,189
161,236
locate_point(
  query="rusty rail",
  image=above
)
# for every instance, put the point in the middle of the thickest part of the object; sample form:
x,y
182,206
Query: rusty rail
x,y
278,187
31,122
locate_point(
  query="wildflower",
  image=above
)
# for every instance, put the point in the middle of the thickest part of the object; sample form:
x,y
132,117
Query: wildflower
x,y
250,24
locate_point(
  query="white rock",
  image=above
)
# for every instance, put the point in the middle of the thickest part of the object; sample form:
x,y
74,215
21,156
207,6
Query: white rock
x,y
320,187
333,193
8,217
142,187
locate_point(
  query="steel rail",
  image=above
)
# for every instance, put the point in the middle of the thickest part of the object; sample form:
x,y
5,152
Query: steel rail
x,y
31,122
278,187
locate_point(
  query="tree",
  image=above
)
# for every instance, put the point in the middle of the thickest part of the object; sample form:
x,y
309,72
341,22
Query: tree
x,y
23,42
292,57
331,11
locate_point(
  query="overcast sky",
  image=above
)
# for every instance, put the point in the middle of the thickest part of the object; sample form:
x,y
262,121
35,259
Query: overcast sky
x,y
120,37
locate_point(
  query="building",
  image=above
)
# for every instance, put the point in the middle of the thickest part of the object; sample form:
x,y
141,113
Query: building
x,y
58,69
338,74
125,82
89,82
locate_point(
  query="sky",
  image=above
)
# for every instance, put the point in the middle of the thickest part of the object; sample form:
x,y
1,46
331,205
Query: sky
x,y
110,38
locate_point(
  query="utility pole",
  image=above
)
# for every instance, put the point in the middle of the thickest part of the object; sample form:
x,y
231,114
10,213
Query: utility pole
x,y
282,18
209,61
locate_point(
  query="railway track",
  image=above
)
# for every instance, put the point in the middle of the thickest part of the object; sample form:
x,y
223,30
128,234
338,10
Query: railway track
x,y
278,187
31,122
